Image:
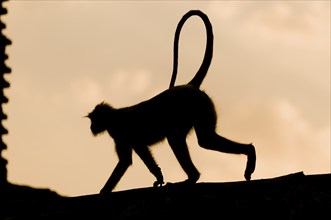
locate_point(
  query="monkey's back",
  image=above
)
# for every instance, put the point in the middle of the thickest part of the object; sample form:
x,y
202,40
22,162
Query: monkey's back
x,y
177,109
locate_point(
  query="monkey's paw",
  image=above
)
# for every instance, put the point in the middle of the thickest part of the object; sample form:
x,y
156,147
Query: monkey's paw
x,y
158,183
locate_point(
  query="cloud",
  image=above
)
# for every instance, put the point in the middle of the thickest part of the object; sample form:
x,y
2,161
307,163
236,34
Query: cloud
x,y
134,80
301,23
121,88
225,10
86,90
284,139
125,85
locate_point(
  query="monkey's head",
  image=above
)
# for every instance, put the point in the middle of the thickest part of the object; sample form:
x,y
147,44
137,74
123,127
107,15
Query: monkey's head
x,y
99,117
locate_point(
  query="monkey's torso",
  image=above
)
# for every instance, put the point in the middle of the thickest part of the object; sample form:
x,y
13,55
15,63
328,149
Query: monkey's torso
x,y
174,111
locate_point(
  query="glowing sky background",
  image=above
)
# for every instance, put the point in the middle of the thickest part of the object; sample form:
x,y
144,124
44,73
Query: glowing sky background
x,y
269,79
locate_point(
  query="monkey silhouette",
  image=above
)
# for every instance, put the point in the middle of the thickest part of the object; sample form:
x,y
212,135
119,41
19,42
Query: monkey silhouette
x,y
170,115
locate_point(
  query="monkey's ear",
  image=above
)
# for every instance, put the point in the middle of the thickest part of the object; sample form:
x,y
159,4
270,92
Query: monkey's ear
x,y
87,116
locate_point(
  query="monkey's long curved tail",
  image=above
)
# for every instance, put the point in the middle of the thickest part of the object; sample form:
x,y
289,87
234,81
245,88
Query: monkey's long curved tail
x,y
201,74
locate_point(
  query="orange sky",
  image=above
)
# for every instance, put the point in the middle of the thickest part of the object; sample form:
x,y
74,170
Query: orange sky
x,y
269,79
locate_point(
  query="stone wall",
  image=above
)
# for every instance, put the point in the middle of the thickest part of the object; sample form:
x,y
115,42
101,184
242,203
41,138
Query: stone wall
x,y
4,42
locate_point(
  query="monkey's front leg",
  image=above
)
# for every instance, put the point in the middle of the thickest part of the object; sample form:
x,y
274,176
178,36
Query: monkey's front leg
x,y
125,160
159,177
115,177
146,156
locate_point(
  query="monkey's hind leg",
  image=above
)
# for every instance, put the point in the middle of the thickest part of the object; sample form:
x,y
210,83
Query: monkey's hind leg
x,y
211,140
180,149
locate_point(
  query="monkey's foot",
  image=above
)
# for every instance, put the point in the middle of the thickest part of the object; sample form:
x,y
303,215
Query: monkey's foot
x,y
182,184
189,181
104,191
158,183
251,160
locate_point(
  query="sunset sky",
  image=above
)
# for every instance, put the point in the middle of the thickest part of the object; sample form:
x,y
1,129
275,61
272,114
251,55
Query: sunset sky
x,y
269,79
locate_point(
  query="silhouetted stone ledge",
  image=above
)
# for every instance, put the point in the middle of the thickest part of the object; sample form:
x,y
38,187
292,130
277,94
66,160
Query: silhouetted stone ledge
x,y
13,192
294,196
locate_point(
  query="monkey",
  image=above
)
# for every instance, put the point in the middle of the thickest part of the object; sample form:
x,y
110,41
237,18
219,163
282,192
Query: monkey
x,y
172,115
